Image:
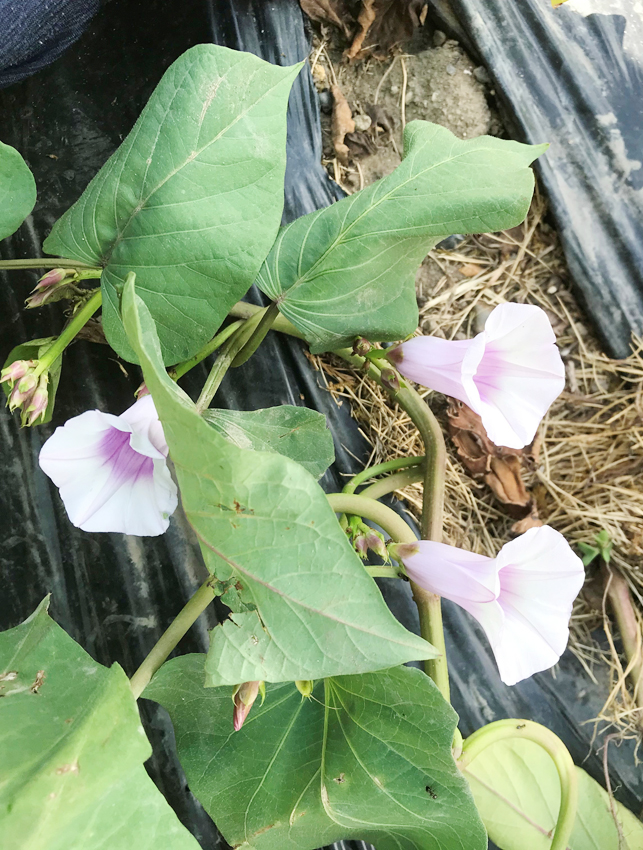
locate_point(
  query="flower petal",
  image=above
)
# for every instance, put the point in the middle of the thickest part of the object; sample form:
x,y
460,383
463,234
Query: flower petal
x,y
519,375
437,363
463,577
105,483
144,422
540,576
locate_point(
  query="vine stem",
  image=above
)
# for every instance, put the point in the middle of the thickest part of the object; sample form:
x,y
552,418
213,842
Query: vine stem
x,y
385,517
380,469
181,369
226,358
55,263
188,615
503,730
258,335
78,321
393,482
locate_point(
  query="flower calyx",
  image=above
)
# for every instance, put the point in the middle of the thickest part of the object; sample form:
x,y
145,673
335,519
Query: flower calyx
x,y
243,698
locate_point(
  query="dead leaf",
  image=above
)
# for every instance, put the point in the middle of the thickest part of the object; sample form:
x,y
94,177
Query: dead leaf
x,y
380,118
342,123
470,269
329,11
365,20
531,521
499,467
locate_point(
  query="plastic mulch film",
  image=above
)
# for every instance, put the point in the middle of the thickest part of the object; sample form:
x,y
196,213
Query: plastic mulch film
x,y
116,594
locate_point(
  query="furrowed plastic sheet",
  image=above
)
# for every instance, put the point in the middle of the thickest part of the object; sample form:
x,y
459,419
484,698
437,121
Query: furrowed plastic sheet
x,y
116,594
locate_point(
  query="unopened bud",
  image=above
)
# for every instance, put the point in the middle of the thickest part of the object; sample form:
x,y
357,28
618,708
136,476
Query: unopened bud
x,y
305,687
375,542
360,545
390,379
22,391
38,404
142,391
243,698
16,370
51,287
361,346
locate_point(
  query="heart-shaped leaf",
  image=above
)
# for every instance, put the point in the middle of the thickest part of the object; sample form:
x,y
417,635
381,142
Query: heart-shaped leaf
x,y
365,757
264,522
17,190
192,199
296,432
72,750
350,268
517,791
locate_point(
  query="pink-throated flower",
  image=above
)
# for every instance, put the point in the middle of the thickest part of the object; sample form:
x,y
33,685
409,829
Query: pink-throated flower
x,y
522,598
509,374
112,471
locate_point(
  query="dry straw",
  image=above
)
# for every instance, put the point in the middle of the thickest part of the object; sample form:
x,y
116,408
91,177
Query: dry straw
x,y
590,474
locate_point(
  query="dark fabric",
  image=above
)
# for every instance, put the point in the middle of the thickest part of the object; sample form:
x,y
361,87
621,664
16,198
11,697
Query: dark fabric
x,y
33,33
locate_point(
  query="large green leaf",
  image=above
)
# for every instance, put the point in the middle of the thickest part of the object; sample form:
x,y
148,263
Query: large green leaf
x,y
265,525
366,757
296,432
72,750
192,199
350,268
517,791
17,190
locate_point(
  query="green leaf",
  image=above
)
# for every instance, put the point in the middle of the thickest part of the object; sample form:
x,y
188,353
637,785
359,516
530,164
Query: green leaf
x,y
517,791
72,750
192,199
296,432
350,268
17,190
263,520
33,350
365,757
588,552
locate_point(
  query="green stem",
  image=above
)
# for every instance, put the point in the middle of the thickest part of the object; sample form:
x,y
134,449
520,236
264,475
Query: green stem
x,y
225,359
56,263
502,730
181,369
242,310
380,469
392,483
258,335
78,321
170,637
385,517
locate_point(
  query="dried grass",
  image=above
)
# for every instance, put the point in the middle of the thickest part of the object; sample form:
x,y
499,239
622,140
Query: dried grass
x,y
590,474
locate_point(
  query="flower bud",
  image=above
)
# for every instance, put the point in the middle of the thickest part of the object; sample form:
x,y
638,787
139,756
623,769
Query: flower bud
x,y
375,542
305,687
361,346
390,379
51,287
16,370
38,404
243,698
360,545
22,391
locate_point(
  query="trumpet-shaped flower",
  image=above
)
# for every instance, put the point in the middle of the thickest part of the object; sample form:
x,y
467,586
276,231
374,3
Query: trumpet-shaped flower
x,y
112,471
509,374
522,598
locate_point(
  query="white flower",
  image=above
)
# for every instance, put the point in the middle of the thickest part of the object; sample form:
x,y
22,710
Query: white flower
x,y
509,374
112,471
522,598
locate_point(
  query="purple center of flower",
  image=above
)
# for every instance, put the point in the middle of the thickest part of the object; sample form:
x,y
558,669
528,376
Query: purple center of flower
x,y
127,464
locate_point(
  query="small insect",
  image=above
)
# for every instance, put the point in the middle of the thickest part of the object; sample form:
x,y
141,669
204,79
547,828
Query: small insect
x,y
521,726
431,792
